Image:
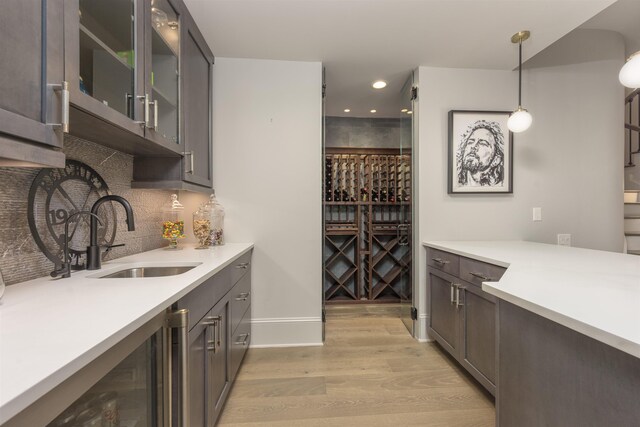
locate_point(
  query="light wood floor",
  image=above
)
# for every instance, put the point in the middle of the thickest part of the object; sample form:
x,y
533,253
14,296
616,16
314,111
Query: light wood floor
x,y
370,372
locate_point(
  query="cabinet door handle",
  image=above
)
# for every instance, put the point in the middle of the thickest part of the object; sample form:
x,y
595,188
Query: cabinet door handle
x,y
145,101
180,320
243,265
441,261
155,114
190,154
243,296
453,293
63,88
242,339
458,303
215,322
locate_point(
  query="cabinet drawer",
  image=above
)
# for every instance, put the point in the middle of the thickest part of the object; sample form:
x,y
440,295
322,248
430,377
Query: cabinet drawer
x,y
445,261
240,267
476,272
240,300
200,300
240,341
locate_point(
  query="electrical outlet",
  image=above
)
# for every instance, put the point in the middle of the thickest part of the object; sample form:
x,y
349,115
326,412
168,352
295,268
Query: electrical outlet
x,y
564,239
537,214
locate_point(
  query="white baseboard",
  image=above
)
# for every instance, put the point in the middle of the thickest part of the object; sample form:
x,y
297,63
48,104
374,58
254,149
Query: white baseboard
x,y
421,328
286,332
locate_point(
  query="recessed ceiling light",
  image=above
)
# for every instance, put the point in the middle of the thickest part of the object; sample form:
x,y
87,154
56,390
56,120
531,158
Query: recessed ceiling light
x,y
374,111
379,84
404,110
409,112
346,110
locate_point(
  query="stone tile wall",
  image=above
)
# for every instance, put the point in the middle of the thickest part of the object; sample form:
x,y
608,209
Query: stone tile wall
x,y
362,132
20,257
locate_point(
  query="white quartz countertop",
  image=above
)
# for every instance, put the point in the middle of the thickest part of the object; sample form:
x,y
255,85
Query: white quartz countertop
x,y
50,329
596,293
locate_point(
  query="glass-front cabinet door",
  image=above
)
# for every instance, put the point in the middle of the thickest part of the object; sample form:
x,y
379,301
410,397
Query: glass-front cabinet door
x,y
162,71
103,61
131,394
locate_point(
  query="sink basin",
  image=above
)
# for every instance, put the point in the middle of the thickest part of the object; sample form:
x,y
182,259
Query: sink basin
x,y
139,272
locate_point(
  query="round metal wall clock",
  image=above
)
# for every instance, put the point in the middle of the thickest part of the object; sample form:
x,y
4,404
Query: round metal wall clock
x,y
56,194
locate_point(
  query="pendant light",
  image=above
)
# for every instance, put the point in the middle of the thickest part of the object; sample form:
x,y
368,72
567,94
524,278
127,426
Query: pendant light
x,y
520,119
630,73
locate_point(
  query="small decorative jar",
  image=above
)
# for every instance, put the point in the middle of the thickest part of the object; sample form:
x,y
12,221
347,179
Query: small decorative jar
x,y
216,213
173,222
202,226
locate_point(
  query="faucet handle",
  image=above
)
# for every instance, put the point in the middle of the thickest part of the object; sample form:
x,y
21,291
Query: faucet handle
x,y
109,247
64,271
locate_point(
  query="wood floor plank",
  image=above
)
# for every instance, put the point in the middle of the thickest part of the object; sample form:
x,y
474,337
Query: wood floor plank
x,y
370,372
303,408
279,387
457,418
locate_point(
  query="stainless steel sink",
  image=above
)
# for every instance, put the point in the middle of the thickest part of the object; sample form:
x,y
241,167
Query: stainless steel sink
x,y
138,272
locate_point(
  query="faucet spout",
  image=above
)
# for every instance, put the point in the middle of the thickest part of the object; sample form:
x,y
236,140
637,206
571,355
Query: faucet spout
x,y
93,250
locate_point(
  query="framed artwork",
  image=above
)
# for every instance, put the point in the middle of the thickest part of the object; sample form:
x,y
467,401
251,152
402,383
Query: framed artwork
x,y
480,152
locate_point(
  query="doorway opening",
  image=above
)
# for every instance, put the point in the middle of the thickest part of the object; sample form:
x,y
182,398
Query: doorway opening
x,y
368,189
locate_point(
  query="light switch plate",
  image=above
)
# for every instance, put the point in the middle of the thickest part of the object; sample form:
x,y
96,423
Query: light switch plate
x,y
537,214
564,239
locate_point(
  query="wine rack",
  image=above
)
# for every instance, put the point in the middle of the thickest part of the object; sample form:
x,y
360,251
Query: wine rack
x,y
367,203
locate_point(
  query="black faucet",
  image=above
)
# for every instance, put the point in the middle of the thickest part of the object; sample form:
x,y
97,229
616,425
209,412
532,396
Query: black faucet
x,y
93,250
65,268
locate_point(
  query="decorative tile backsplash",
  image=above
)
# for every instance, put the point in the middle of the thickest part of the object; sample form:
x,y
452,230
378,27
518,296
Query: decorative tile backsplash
x,y
20,257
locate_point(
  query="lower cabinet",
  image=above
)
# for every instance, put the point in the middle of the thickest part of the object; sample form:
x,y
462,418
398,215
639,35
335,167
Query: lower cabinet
x,y
463,316
209,378
219,335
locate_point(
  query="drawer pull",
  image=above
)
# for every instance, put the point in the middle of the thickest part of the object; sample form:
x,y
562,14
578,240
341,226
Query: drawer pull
x,y
243,265
243,296
242,339
441,261
481,276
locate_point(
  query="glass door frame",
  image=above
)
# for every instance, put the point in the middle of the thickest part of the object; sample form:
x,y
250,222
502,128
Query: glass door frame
x,y
408,311
86,102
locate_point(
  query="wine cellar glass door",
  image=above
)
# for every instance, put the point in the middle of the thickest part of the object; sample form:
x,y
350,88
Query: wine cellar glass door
x,y
404,229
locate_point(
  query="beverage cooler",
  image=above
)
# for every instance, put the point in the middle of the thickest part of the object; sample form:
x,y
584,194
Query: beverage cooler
x,y
140,381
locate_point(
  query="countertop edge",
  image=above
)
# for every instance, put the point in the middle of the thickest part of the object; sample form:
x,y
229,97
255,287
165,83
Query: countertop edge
x,y
22,401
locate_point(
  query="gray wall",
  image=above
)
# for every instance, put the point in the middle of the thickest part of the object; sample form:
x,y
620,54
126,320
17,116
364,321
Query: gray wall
x,y
569,162
359,132
20,258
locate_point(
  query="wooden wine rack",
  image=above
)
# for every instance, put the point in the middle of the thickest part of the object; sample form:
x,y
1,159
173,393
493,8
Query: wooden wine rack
x,y
367,203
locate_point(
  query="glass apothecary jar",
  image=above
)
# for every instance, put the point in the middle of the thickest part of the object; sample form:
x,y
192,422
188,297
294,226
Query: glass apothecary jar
x,y
173,222
216,213
202,226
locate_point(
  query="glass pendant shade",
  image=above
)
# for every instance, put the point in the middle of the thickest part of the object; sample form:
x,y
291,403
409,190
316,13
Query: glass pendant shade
x,y
519,120
630,73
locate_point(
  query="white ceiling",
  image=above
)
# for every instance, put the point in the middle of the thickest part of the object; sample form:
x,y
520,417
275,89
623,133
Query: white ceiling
x,y
623,17
359,41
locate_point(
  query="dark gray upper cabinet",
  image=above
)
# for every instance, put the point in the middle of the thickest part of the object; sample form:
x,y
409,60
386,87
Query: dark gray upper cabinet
x,y
122,65
194,170
31,105
197,88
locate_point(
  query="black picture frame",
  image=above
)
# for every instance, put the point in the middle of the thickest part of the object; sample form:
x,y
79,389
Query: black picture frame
x,y
491,173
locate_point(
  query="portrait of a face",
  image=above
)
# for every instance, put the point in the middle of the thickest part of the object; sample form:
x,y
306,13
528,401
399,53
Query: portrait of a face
x,y
478,147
